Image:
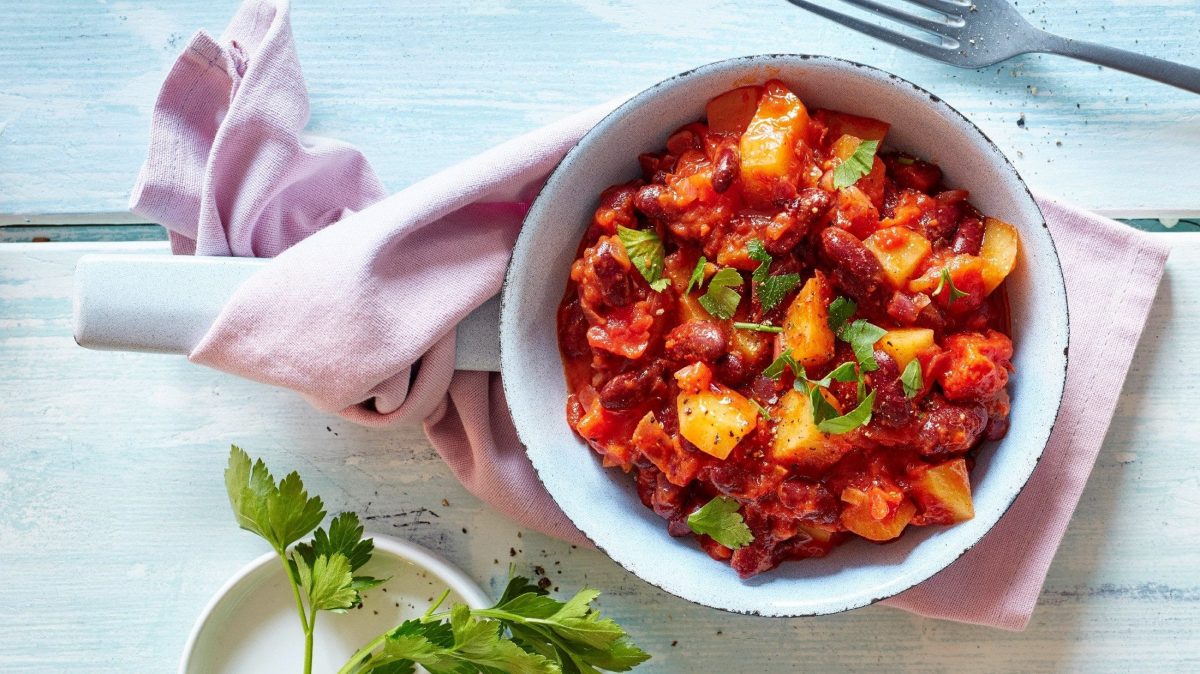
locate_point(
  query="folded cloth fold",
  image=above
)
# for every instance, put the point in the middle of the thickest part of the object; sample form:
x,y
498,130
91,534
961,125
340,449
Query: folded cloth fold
x,y
357,312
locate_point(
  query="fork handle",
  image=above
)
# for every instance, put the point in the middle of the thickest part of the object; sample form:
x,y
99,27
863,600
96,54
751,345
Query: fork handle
x,y
1175,74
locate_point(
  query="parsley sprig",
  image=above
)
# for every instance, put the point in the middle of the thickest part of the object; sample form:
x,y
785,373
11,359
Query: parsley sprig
x,y
860,335
645,251
785,360
526,632
321,573
720,520
857,165
945,280
825,415
721,300
770,289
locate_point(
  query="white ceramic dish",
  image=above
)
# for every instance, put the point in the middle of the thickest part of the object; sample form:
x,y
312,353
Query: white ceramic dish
x,y
250,625
603,503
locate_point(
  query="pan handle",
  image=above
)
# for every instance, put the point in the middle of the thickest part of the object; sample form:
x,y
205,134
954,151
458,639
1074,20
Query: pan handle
x,y
164,304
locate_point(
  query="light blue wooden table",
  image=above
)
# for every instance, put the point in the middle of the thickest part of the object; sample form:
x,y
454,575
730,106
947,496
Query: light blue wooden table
x,y
114,529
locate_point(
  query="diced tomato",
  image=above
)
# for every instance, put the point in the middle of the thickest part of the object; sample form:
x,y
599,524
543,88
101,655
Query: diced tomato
x,y
844,123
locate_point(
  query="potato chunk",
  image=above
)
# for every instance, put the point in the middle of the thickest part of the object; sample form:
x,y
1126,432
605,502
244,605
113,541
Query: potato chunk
x,y
769,165
713,417
903,344
876,514
732,111
944,492
806,325
900,251
798,441
999,252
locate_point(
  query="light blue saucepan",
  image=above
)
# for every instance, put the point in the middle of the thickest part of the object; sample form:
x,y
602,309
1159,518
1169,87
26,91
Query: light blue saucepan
x,y
129,303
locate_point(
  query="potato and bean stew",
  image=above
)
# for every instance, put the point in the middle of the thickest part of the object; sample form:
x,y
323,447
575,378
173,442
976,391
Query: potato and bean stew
x,y
788,334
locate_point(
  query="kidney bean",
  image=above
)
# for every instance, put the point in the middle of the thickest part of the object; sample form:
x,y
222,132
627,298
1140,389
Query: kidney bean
x,y
628,388
808,501
856,270
611,273
669,499
950,429
646,479
764,388
790,226
616,208
733,369
903,308
726,169
749,476
951,206
572,330
753,559
649,201
969,237
761,555
891,408
696,340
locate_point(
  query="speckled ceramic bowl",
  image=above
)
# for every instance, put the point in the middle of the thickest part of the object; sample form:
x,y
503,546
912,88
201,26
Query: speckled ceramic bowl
x,y
604,504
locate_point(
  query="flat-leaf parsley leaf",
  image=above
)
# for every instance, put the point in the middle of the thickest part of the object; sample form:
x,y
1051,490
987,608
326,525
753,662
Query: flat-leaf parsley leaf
x,y
721,300
645,251
720,520
770,289
862,336
851,420
911,378
857,165
280,513
784,360
697,278
840,311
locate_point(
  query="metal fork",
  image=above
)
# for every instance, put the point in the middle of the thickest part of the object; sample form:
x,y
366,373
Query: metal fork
x,y
980,33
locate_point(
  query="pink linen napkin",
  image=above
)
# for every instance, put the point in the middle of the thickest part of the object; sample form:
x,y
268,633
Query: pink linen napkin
x,y
357,313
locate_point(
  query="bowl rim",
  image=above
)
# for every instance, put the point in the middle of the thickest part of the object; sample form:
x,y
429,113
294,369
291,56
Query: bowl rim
x,y
419,556
523,241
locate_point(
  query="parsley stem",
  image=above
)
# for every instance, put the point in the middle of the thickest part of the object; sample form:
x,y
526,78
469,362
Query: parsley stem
x,y
287,568
308,641
434,606
306,622
758,327
362,655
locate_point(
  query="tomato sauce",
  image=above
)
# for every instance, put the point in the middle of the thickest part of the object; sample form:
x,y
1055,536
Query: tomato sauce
x,y
782,312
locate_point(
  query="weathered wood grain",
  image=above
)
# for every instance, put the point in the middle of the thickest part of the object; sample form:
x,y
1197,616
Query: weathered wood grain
x,y
114,528
421,84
